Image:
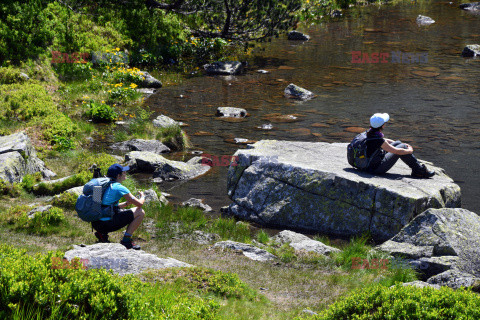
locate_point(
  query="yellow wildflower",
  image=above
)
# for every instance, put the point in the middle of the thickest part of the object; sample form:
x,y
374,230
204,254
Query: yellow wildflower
x,y
118,49
133,85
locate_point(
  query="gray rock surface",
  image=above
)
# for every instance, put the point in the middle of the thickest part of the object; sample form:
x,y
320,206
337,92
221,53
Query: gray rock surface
x,y
295,35
197,203
18,158
154,146
311,186
149,81
420,284
248,250
231,112
297,92
300,242
201,237
454,279
76,190
162,168
163,121
24,76
473,6
424,20
471,50
121,260
224,67
39,209
450,238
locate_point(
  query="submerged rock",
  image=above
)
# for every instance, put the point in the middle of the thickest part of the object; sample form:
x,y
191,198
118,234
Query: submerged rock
x,y
231,112
295,35
154,146
224,67
471,50
311,186
247,250
162,168
119,259
297,92
18,158
148,81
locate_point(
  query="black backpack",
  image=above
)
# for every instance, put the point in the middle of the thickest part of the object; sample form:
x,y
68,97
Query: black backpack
x,y
357,152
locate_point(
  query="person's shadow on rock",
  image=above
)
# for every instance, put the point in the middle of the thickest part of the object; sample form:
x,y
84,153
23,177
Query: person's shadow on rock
x,y
389,176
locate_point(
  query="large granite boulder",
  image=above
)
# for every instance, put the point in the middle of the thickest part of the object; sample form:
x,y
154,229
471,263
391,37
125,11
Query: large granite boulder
x,y
310,186
154,146
119,259
18,158
162,168
440,240
224,67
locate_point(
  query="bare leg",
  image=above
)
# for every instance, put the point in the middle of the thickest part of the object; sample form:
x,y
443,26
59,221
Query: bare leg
x,y
138,215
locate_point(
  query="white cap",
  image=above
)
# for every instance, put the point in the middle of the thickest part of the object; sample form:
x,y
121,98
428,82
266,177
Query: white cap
x,y
378,119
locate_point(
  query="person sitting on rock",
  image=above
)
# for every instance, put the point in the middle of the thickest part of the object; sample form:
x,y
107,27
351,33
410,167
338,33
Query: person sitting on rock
x,y
122,217
391,150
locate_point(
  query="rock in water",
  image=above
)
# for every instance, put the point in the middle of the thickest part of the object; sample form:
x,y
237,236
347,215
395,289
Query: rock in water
x,y
163,121
471,50
311,186
473,6
424,20
297,92
295,35
231,112
148,81
224,67
197,203
18,158
121,260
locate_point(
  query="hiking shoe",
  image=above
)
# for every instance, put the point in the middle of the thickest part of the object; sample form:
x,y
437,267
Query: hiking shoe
x,y
130,245
422,172
102,237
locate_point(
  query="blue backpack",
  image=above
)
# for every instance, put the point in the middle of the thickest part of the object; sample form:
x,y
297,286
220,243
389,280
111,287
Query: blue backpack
x,y
357,152
89,203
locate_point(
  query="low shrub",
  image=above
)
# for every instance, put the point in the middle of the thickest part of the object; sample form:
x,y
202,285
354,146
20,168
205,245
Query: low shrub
x,y
37,285
65,200
263,237
29,181
9,75
9,189
41,223
228,228
55,188
398,302
100,112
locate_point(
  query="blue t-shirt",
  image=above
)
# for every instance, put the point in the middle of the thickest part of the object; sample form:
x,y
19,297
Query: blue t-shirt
x,y
113,194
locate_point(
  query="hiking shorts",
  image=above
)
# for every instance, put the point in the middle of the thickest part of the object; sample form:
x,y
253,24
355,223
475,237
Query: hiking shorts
x,y
121,218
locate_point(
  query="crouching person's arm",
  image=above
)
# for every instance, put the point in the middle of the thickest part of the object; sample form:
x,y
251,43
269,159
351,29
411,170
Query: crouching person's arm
x,y
131,199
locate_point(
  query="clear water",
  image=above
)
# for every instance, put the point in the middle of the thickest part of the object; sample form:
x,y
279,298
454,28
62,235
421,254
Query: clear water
x,y
434,106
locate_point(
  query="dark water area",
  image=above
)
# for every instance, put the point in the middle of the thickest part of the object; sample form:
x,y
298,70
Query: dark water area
x,y
433,105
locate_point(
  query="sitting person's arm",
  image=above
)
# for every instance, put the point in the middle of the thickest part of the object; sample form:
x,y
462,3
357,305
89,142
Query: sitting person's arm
x,y
390,141
400,151
131,199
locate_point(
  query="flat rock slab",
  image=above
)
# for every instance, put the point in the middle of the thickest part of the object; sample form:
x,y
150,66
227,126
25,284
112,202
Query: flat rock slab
x,y
18,158
301,242
197,203
248,250
121,260
450,238
419,284
154,146
162,168
310,186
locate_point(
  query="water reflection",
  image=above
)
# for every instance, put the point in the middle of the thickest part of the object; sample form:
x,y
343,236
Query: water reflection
x,y
434,105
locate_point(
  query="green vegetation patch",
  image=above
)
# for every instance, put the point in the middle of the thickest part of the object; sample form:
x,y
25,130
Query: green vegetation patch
x,y
42,223
408,302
